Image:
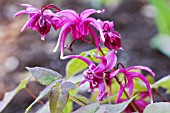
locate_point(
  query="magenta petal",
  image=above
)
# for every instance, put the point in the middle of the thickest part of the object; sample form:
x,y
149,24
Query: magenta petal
x,y
114,73
33,18
135,74
130,85
111,60
107,63
97,26
60,36
26,5
64,36
120,93
142,68
70,14
87,13
20,13
95,38
102,92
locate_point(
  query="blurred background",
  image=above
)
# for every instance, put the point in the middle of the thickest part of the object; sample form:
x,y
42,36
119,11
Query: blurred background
x,y
143,24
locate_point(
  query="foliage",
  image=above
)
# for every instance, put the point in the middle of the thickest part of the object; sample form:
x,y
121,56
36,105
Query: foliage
x,y
113,87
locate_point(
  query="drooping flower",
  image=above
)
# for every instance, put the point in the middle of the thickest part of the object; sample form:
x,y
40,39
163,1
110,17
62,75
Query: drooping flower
x,y
139,104
112,38
40,20
129,75
80,26
96,75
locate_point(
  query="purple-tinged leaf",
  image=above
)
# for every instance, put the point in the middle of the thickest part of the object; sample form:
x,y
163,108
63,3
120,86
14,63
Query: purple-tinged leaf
x,y
44,76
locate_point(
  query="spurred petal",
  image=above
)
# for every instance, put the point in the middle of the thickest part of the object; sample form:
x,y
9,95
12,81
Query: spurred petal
x,y
142,68
135,74
122,88
33,18
26,5
20,13
86,13
114,73
70,14
130,85
97,26
95,38
60,36
107,63
102,92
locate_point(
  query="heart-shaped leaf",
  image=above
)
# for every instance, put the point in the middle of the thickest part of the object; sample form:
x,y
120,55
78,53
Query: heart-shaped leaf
x,y
43,75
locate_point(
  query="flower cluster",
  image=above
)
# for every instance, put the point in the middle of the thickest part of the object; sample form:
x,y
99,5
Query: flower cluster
x,y
80,26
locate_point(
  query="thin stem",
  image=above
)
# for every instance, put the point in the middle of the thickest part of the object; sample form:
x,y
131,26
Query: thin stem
x,y
126,94
163,98
106,88
33,96
76,101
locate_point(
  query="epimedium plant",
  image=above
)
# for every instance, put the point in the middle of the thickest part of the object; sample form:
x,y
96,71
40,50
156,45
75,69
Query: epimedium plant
x,y
113,87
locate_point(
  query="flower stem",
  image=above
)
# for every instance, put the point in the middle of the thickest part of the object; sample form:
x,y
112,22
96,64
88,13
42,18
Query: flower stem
x,y
33,96
163,98
107,89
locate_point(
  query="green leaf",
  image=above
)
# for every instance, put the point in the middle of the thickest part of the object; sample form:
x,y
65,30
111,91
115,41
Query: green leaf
x,y
43,75
69,106
44,109
81,98
117,108
45,92
164,83
91,108
58,100
162,43
9,95
160,107
75,66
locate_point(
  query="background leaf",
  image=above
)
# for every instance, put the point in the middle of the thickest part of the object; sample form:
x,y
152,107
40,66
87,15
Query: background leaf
x,y
164,83
9,95
43,75
162,43
160,107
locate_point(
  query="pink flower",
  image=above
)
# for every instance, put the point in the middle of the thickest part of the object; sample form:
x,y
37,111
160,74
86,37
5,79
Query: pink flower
x,y
139,104
80,26
112,38
130,74
95,75
40,20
